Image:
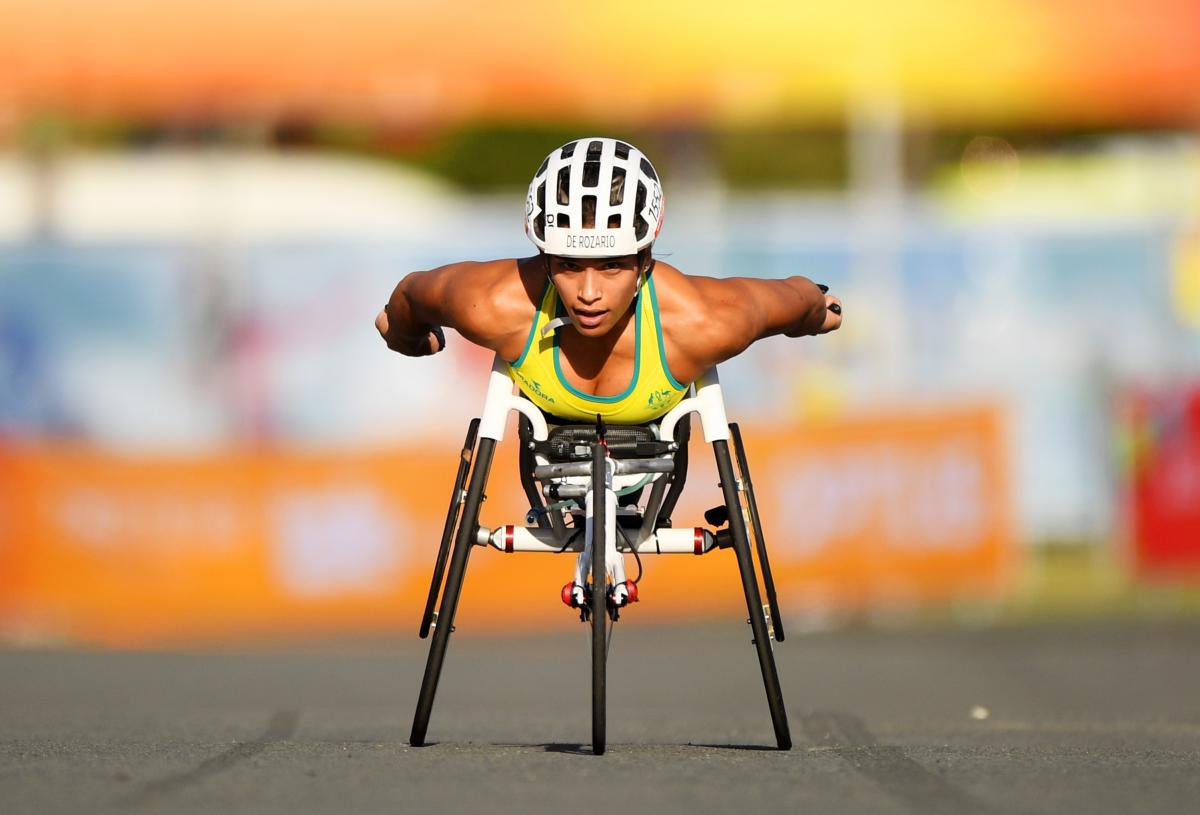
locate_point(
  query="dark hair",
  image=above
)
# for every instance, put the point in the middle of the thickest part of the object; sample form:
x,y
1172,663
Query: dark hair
x,y
645,260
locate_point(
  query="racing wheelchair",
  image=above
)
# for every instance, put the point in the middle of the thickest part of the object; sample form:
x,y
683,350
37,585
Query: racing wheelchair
x,y
584,484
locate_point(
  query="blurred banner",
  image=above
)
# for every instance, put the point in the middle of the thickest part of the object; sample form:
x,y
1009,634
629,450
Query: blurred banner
x,y
889,511
131,551
1161,431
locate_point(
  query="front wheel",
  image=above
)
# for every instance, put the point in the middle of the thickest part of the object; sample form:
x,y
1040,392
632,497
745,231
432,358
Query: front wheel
x,y
599,598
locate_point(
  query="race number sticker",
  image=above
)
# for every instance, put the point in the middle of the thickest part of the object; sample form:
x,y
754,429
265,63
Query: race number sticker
x,y
654,207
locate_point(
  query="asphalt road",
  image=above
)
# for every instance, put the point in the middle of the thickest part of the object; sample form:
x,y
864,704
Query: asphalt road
x,y
1095,719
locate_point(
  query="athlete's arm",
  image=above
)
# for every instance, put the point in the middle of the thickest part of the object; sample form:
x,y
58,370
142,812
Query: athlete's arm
x,y
794,307
732,313
475,299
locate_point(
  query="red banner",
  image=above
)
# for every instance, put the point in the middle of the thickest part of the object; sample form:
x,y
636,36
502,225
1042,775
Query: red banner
x,y
1161,432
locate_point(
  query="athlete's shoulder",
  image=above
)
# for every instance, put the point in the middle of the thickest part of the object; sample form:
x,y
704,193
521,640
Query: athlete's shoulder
x,y
684,317
698,315
674,290
685,299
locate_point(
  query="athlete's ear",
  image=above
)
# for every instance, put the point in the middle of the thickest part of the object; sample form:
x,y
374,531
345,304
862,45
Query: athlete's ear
x,y
645,261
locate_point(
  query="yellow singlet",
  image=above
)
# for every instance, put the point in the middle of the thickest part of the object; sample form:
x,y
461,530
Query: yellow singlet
x,y
651,393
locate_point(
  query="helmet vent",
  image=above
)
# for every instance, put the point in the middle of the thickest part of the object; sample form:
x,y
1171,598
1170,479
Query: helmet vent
x,y
539,223
591,173
648,169
564,186
568,150
542,169
588,205
617,194
614,221
594,150
622,150
564,220
640,226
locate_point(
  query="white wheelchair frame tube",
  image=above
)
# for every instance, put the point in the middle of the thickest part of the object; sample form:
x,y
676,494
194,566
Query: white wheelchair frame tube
x,y
708,402
614,564
503,397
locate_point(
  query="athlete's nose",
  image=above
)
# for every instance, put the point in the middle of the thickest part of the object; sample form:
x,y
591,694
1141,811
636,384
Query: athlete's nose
x,y
589,291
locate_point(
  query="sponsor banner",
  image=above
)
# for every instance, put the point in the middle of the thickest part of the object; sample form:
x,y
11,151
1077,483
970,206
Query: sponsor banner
x,y
891,510
1160,435
129,551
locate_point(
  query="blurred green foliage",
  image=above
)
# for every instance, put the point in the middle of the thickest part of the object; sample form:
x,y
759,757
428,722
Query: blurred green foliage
x,y
484,158
767,159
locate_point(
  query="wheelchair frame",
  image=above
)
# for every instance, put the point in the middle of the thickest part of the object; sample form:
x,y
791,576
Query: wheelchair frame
x,y
595,484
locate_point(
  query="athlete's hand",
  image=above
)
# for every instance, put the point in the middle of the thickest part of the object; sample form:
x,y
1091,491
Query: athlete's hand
x,y
833,314
419,346
832,318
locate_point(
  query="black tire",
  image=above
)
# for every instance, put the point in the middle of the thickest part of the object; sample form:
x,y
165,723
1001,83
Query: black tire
x,y
439,566
464,543
758,625
760,543
599,609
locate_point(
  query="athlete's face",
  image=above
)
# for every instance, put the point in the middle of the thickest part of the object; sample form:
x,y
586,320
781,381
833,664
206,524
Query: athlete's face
x,y
596,292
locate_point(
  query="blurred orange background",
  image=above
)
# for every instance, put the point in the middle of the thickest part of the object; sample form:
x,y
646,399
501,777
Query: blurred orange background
x,y
1038,60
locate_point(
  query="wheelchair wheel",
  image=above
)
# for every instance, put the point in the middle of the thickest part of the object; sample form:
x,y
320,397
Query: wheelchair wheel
x,y
456,499
754,608
464,541
755,529
599,599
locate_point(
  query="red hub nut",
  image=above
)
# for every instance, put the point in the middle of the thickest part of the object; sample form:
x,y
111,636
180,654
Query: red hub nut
x,y
568,595
631,588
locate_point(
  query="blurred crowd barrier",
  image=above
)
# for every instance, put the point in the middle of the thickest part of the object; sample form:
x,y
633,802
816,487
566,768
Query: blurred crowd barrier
x,y
203,432
191,301
126,551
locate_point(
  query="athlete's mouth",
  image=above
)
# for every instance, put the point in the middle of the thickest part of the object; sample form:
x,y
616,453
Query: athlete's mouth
x,y
589,318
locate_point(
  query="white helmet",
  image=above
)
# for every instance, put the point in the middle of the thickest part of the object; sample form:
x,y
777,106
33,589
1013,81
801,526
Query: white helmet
x,y
594,197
